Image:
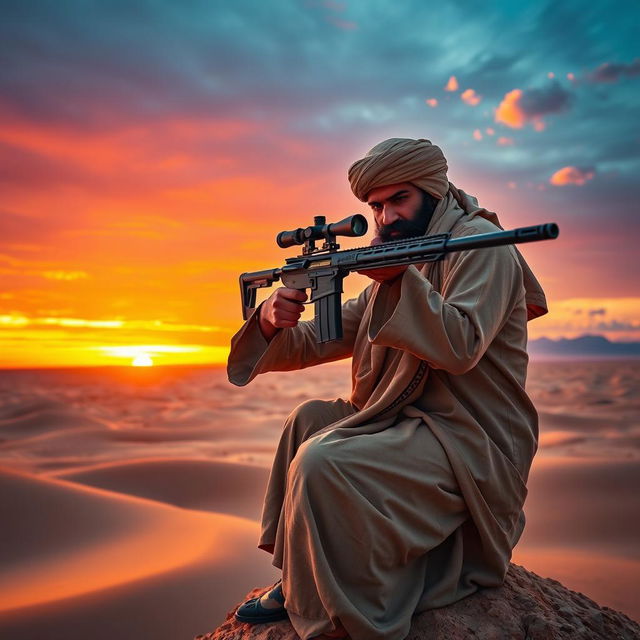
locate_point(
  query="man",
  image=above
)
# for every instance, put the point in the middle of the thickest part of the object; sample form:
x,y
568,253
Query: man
x,y
409,495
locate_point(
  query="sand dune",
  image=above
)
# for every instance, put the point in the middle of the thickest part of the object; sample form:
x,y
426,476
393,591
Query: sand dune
x,y
221,487
70,540
565,493
121,490
42,421
14,406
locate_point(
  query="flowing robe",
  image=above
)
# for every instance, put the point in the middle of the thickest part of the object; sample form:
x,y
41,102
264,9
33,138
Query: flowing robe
x,y
409,495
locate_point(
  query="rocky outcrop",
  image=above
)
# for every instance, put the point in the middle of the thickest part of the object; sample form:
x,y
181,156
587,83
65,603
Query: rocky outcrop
x,y
526,607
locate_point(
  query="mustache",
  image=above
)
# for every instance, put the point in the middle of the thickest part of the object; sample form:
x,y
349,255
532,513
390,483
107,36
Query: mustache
x,y
406,229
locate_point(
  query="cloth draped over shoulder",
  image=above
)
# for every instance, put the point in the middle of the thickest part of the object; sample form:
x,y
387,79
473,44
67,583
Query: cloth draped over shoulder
x,y
444,344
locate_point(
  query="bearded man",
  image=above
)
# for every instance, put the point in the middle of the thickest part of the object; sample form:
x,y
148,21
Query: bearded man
x,y
409,495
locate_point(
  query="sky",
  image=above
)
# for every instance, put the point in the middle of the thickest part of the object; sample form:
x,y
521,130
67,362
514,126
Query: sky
x,y
150,151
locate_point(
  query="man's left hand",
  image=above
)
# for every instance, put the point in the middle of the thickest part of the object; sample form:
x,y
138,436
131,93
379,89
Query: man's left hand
x,y
383,274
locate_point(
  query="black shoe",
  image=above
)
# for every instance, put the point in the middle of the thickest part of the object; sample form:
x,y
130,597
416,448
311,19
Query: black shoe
x,y
252,612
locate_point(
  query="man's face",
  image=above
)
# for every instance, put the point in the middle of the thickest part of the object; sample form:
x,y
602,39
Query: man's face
x,y
400,211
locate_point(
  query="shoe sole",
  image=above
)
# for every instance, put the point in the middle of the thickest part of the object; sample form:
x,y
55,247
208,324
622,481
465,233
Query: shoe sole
x,y
261,619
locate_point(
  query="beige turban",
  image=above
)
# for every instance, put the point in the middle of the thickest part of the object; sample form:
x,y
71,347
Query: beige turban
x,y
401,160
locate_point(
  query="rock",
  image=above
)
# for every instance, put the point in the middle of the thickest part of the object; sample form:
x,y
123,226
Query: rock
x,y
526,607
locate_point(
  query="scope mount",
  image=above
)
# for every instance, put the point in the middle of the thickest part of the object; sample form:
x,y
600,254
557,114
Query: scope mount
x,y
329,243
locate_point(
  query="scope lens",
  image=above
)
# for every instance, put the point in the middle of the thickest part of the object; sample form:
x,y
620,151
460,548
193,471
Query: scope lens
x,y
359,226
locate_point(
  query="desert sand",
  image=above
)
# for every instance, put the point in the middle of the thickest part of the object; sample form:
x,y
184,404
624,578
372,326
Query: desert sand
x,y
130,498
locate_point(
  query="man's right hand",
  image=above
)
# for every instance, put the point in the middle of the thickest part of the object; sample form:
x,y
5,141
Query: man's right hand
x,y
281,310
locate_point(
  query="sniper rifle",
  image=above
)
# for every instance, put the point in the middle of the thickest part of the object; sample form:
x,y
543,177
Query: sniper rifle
x,y
323,269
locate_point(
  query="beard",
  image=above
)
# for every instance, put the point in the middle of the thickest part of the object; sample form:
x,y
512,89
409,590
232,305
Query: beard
x,y
417,226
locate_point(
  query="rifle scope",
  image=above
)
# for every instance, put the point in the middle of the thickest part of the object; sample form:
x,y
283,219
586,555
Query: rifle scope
x,y
355,225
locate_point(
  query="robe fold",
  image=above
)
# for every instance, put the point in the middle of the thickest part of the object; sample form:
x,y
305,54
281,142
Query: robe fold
x,y
409,495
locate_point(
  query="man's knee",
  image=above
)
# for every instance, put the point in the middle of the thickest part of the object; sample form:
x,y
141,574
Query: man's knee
x,y
311,463
308,417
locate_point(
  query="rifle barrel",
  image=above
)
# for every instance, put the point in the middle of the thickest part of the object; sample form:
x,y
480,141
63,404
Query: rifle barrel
x,y
547,231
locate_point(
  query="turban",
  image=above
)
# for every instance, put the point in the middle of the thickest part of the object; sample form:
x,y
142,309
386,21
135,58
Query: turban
x,y
401,160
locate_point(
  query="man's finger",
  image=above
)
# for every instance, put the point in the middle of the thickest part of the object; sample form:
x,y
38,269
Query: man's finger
x,y
289,305
288,317
293,294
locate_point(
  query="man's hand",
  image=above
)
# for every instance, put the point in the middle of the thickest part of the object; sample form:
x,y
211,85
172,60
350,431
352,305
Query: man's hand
x,y
383,274
282,309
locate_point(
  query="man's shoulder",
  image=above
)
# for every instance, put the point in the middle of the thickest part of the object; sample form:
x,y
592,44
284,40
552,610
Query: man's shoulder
x,y
467,226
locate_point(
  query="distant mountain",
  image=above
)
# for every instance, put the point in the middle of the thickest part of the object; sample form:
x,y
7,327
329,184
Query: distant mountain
x,y
585,346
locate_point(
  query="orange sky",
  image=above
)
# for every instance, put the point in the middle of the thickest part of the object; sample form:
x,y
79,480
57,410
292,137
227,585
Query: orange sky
x,y
136,190
141,250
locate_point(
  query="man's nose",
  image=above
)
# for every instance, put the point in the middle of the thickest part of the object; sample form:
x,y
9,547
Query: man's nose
x,y
389,215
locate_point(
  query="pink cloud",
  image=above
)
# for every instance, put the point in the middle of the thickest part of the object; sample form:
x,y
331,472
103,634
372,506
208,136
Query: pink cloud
x,y
571,175
452,84
509,111
432,102
503,141
477,134
470,97
520,107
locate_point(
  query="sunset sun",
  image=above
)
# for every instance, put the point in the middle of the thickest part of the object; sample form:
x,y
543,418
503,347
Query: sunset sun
x,y
142,360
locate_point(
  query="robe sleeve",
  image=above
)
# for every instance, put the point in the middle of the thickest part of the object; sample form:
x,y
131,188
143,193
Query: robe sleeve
x,y
450,330
291,348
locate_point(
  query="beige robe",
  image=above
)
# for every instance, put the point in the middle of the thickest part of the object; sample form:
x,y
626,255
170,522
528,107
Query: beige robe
x,y
409,495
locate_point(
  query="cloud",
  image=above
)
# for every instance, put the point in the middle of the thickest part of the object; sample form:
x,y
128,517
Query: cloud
x,y
470,97
572,175
94,69
452,84
477,134
503,141
519,107
432,102
616,325
510,112
616,318
612,72
65,275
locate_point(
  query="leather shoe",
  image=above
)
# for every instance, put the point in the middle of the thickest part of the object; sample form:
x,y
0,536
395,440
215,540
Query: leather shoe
x,y
252,612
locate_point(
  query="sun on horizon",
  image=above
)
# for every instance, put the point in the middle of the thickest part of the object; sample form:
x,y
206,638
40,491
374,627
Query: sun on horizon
x,y
142,360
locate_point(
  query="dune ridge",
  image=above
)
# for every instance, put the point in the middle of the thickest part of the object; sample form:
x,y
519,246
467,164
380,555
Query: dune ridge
x,y
208,485
86,539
